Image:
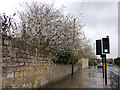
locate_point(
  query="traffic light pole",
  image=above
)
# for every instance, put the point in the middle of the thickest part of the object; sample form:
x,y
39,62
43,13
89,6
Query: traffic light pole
x,y
106,50
102,65
105,71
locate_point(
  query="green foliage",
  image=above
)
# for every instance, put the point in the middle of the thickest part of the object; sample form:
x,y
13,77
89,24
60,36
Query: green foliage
x,y
110,62
66,59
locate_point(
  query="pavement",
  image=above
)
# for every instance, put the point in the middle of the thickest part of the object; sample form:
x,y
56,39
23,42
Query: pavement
x,y
85,78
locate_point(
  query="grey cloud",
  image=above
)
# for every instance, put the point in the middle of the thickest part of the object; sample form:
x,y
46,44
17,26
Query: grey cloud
x,y
95,14
101,19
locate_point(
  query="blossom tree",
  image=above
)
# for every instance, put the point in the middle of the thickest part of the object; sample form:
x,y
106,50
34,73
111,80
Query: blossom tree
x,y
43,25
7,24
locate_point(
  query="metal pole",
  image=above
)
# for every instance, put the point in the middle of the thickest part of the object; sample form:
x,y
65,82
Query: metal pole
x,y
102,66
118,80
73,50
105,71
73,65
94,53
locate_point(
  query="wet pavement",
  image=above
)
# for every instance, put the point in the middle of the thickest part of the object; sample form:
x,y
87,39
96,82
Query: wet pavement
x,y
85,78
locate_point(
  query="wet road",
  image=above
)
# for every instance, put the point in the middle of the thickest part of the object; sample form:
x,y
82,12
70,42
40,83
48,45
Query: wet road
x,y
85,78
114,69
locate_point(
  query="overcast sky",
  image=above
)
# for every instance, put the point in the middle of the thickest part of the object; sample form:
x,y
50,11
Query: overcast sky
x,y
100,18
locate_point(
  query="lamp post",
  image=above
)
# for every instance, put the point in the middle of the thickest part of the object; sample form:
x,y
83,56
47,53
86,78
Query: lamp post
x,y
73,50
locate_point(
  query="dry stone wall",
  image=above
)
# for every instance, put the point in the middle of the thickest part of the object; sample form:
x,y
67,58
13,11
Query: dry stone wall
x,y
25,66
60,71
0,61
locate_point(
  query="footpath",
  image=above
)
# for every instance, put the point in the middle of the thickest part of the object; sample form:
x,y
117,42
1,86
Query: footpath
x,y
85,78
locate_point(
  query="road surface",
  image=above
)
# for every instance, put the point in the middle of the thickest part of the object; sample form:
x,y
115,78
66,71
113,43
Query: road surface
x,y
114,69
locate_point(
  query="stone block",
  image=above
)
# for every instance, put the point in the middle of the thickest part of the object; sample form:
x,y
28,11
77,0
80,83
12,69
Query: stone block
x,y
24,56
4,70
7,85
0,41
20,44
15,64
10,75
4,75
6,59
30,60
25,73
14,43
13,54
19,60
9,69
26,51
4,48
14,59
19,55
30,53
24,46
4,64
21,73
6,42
21,64
17,74
15,50
5,54
22,51
28,57
8,48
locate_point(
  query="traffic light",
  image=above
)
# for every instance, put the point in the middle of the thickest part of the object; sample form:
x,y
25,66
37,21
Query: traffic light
x,y
98,47
106,45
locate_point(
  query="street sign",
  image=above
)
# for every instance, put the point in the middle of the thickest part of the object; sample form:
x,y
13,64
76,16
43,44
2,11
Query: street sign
x,y
106,46
98,47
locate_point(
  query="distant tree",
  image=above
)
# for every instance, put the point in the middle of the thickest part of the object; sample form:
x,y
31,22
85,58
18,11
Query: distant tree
x,y
117,61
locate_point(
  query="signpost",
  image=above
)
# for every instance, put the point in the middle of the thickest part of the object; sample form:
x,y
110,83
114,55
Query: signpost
x,y
103,50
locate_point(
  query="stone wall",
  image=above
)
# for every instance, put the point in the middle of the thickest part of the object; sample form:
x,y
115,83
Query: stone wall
x,y
60,71
25,66
0,61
